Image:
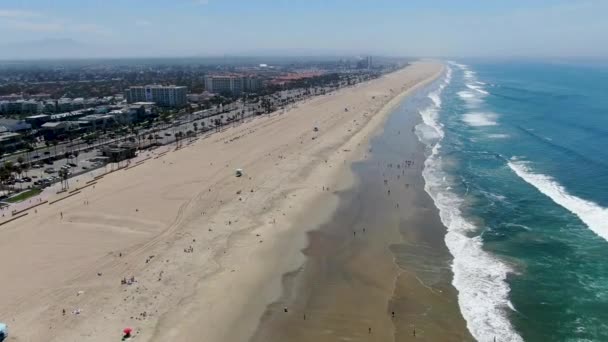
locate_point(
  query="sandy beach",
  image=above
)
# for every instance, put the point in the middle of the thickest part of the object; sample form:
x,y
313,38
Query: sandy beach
x,y
204,253
378,270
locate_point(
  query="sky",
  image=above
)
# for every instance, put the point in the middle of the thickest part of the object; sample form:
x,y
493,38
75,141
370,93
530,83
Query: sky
x,y
431,28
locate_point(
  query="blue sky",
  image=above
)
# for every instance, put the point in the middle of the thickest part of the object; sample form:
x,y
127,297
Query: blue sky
x,y
389,27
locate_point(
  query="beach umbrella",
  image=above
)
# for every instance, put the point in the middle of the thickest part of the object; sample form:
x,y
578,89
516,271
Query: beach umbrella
x,y
127,331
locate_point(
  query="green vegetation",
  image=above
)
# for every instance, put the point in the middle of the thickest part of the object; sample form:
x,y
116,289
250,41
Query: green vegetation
x,y
24,195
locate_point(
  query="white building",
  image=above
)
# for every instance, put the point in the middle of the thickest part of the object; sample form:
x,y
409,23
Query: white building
x,y
164,96
232,84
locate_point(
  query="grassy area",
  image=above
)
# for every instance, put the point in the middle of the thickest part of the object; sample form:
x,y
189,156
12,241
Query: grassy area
x,y
24,195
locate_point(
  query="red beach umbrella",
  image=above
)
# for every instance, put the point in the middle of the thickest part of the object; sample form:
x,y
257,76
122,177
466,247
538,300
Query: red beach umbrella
x,y
127,331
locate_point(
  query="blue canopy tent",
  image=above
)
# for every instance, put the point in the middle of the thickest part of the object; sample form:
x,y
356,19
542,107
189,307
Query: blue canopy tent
x,y
3,331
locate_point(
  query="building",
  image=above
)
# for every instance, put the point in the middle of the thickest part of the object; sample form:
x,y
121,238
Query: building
x,y
118,153
55,130
11,107
37,120
69,116
12,125
10,142
135,94
63,105
365,63
164,96
20,107
224,84
96,121
232,84
253,84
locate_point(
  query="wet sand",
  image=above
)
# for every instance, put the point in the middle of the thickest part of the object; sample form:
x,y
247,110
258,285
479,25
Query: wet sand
x,y
379,254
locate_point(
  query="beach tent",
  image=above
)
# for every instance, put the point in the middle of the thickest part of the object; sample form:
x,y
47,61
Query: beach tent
x,y
3,331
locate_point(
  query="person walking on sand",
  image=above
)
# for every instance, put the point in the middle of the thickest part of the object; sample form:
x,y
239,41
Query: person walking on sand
x,y
61,214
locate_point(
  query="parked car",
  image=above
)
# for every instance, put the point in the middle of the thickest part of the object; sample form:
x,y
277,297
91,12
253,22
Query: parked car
x,y
49,170
36,156
47,152
72,164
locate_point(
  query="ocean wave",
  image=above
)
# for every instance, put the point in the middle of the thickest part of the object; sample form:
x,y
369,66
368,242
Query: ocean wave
x,y
468,74
479,277
593,215
465,95
479,119
477,88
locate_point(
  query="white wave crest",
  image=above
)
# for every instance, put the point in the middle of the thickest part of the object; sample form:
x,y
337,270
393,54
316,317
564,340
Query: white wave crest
x,y
498,136
477,88
479,119
593,215
479,277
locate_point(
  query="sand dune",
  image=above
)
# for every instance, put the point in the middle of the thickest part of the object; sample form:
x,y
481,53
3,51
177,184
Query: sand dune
x,y
206,249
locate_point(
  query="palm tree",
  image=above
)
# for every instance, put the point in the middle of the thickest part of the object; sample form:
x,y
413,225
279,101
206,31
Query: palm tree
x,y
17,170
55,143
24,167
7,171
63,176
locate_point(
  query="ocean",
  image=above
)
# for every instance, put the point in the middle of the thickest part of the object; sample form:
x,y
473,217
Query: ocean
x,y
518,167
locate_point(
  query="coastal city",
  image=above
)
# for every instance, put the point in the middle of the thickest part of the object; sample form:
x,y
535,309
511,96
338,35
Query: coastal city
x,y
48,136
303,171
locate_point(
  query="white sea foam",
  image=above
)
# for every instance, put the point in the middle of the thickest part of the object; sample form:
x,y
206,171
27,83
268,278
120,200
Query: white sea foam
x,y
480,119
465,95
479,277
498,136
477,88
593,215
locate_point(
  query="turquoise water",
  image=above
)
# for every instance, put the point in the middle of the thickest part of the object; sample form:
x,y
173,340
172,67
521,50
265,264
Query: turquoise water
x,y
518,167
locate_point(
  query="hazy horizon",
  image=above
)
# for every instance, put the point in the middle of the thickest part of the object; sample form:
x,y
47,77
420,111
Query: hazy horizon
x,y
41,29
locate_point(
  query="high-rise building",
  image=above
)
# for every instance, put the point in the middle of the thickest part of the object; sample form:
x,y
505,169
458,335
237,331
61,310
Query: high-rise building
x,y
232,84
164,96
365,63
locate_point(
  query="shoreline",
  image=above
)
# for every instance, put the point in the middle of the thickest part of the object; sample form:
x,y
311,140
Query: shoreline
x,y
206,249
418,264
